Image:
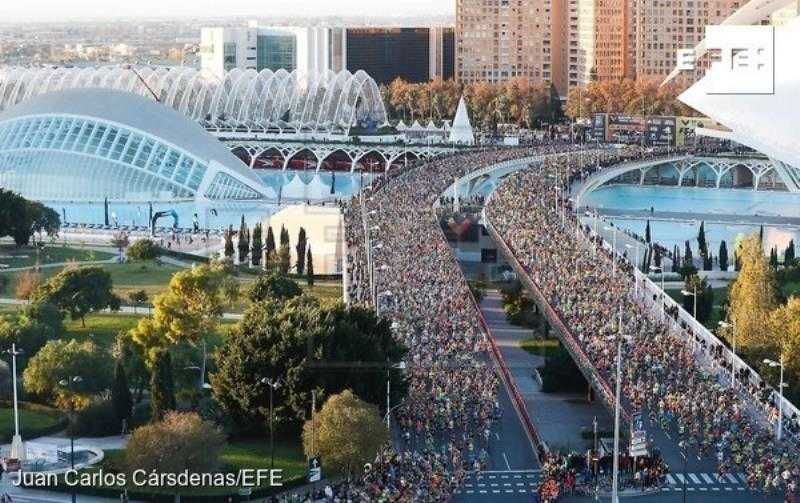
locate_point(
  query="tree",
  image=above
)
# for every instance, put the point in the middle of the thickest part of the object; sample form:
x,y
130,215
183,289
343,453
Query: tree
x,y
121,394
310,268
143,249
243,243
284,259
723,256
273,286
120,241
189,309
257,248
79,291
789,255
773,257
20,218
180,442
270,247
701,241
59,360
137,298
346,433
31,328
647,237
785,325
162,386
301,251
309,346
752,295
27,283
229,242
131,355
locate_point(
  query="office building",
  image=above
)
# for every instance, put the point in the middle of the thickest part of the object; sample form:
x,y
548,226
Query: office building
x,y
310,50
412,54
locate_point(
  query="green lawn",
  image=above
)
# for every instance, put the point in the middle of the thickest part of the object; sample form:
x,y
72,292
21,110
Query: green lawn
x,y
540,347
720,298
33,421
25,256
103,328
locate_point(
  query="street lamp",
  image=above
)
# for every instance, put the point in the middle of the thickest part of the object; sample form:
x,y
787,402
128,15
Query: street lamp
x,y
17,447
273,385
399,366
693,293
613,247
725,325
773,364
617,408
68,383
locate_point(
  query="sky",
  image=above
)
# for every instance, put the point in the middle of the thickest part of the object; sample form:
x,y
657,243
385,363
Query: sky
x,y
64,10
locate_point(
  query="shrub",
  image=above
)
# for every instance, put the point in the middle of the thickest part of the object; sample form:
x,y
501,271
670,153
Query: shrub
x,y
97,419
143,249
27,283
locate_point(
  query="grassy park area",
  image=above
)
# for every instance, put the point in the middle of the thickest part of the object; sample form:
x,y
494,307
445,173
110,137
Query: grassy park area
x,y
539,346
12,256
35,420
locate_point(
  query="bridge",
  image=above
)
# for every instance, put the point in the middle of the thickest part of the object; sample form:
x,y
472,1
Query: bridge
x,y
698,171
279,153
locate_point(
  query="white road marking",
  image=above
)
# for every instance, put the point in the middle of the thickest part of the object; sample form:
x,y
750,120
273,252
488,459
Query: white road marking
x,y
694,478
506,460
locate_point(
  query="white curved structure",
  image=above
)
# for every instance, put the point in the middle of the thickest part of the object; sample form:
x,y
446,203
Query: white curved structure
x,y
244,100
92,144
764,122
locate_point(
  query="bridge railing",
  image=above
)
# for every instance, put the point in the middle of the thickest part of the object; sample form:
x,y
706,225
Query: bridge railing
x,y
590,372
538,444
696,333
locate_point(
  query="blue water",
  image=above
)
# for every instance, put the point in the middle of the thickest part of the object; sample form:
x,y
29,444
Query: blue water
x,y
703,201
695,199
670,234
290,187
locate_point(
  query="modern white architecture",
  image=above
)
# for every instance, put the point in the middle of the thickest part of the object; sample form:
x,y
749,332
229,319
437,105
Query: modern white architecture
x,y
243,100
95,144
309,50
764,122
461,131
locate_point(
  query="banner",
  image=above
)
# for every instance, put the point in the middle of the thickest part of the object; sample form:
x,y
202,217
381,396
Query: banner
x,y
660,130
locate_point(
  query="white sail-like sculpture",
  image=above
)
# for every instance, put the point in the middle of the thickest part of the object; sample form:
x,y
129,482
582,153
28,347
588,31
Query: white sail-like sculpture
x,y
461,131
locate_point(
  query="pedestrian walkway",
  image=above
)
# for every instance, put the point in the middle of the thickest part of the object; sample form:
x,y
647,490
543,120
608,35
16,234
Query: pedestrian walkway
x,y
706,482
490,483
558,417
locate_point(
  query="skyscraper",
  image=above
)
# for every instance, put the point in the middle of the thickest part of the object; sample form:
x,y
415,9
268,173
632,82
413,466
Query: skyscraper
x,y
501,39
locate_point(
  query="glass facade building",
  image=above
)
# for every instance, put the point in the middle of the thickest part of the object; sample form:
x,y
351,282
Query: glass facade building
x,y
95,144
275,52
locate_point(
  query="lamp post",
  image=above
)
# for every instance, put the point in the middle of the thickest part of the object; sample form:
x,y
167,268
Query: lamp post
x,y
613,248
773,364
68,383
399,366
693,293
17,447
732,326
617,409
273,385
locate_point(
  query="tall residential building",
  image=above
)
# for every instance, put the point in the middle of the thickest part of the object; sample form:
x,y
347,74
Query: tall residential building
x,y
307,49
501,39
413,54
663,27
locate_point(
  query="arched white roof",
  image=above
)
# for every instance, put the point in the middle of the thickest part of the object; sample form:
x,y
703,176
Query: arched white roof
x,y
241,99
207,168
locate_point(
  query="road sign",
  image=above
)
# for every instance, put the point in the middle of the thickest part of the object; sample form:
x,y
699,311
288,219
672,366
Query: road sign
x,y
638,443
314,470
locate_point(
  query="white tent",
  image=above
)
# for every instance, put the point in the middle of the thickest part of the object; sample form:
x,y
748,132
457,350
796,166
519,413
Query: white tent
x,y
461,131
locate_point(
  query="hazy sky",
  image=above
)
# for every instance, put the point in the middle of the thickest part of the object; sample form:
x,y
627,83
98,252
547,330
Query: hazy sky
x,y
55,10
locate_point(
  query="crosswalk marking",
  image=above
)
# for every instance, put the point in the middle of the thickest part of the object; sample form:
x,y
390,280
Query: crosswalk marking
x,y
731,477
707,478
694,478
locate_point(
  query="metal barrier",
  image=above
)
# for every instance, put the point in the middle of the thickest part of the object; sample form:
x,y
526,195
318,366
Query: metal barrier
x,y
556,321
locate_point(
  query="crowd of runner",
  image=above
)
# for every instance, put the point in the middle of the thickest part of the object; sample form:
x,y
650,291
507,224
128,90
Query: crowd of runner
x,y
595,299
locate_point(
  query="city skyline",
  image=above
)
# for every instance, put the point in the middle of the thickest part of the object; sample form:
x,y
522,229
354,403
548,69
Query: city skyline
x,y
81,10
